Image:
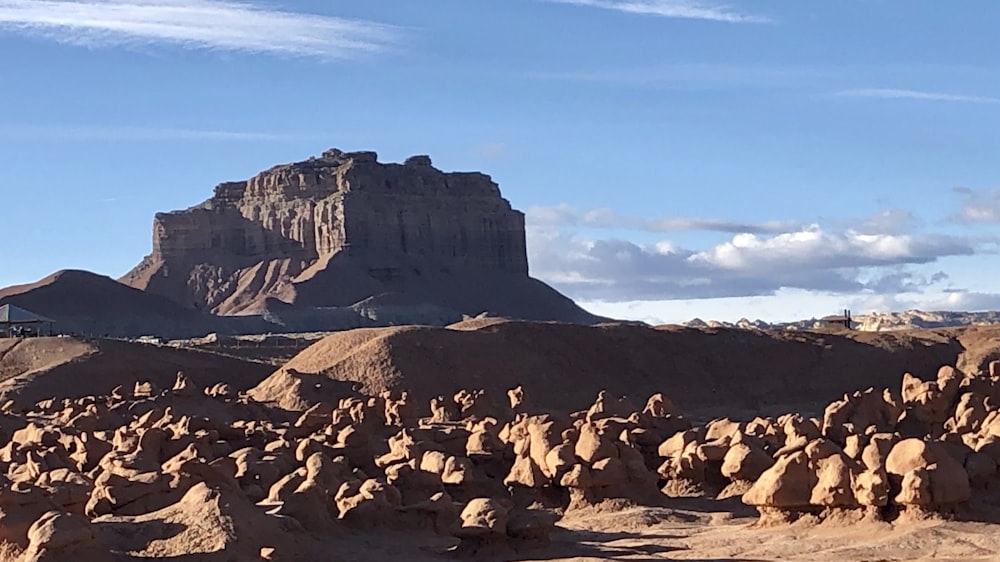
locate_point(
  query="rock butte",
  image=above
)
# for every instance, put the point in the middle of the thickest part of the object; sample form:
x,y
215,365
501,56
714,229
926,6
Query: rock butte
x,y
397,242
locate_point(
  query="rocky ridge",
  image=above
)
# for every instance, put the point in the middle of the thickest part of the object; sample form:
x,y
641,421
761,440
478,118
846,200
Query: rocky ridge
x,y
872,322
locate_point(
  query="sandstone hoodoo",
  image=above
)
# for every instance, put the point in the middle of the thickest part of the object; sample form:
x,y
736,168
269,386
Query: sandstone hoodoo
x,y
344,240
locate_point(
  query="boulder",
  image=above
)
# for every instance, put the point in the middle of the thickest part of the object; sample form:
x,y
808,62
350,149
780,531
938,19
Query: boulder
x,y
58,536
787,485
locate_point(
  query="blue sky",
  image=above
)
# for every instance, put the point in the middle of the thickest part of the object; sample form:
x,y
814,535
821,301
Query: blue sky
x,y
775,159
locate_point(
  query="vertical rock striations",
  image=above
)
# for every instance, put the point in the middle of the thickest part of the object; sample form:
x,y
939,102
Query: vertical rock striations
x,y
394,241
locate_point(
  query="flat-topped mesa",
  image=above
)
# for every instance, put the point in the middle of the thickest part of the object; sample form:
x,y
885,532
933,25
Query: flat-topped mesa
x,y
343,229
349,202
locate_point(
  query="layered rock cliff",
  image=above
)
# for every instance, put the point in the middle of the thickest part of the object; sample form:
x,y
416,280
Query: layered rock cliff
x,y
344,230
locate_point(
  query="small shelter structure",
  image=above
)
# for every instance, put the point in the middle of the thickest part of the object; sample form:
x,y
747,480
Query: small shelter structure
x,y
16,322
839,321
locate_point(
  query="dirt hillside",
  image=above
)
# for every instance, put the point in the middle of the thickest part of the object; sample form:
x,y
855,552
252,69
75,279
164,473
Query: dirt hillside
x,y
34,369
86,303
562,364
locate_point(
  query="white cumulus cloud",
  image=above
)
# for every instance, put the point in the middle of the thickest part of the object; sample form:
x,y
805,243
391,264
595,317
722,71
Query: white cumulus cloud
x,y
810,259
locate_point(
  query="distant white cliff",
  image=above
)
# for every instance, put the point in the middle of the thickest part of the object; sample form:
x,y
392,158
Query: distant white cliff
x,y
872,322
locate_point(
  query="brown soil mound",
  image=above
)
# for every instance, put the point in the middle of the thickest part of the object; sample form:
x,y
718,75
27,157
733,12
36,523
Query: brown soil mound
x,y
477,323
982,345
562,365
36,369
86,303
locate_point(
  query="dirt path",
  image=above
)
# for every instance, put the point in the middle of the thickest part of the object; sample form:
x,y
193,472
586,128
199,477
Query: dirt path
x,y
6,347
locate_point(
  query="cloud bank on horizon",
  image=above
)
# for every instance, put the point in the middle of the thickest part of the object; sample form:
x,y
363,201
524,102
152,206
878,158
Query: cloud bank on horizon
x,y
877,257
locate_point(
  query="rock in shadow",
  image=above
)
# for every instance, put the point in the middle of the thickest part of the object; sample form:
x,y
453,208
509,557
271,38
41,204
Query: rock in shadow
x,y
127,537
734,506
571,544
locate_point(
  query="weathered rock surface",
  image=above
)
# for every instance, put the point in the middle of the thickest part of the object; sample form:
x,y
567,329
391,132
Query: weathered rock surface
x,y
343,230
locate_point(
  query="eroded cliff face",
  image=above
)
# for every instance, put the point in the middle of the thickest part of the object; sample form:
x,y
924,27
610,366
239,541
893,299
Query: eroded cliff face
x,y
339,229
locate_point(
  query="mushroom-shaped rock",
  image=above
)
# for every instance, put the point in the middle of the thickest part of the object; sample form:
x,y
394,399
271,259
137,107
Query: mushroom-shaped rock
x,y
970,413
797,428
473,404
525,473
607,406
143,390
444,410
183,386
877,450
314,418
659,406
433,462
560,459
400,410
915,489
939,474
457,471
483,518
746,463
834,487
371,503
925,400
949,380
483,438
788,484
722,430
591,446
220,391
871,488
910,454
677,443
518,400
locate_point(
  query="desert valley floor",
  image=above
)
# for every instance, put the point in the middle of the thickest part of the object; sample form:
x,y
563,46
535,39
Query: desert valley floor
x,y
500,440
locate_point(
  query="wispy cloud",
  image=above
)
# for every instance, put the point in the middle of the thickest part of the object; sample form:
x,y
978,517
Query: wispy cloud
x,y
22,133
567,215
684,9
492,151
897,94
688,75
198,24
978,206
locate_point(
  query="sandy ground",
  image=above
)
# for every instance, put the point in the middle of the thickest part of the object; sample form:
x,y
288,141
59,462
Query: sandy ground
x,y
718,536
710,531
